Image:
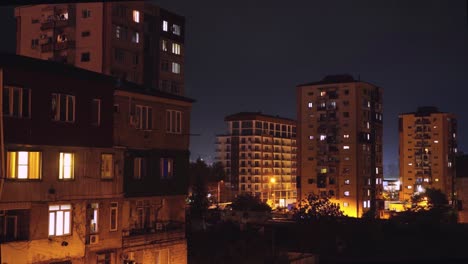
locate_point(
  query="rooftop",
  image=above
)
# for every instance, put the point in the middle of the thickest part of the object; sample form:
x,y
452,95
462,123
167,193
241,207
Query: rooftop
x,y
258,116
334,79
37,65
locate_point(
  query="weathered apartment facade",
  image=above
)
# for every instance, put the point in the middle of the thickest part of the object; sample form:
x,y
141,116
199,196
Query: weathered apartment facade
x,y
95,171
259,156
428,147
340,138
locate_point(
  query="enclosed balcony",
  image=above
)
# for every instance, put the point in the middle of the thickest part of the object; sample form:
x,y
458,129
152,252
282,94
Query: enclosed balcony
x,y
157,232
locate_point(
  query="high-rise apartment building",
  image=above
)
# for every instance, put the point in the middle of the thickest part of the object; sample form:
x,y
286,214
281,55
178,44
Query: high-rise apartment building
x,y
427,151
259,156
340,142
135,41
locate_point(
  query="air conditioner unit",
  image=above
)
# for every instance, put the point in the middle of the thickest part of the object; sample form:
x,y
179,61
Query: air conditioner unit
x,y
93,239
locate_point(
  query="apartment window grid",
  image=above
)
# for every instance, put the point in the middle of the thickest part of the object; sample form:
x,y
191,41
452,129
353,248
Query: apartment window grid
x,y
114,210
107,166
63,107
60,219
66,166
173,121
144,117
16,102
24,165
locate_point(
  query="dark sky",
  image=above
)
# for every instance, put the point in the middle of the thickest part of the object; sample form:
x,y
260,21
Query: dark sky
x,y
249,56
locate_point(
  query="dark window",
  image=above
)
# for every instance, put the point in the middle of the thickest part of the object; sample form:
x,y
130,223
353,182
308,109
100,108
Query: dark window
x,y
85,56
85,34
86,13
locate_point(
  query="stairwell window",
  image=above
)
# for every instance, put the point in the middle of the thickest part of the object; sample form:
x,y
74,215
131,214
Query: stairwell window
x,y
66,166
165,25
16,102
63,107
173,121
176,30
24,165
60,219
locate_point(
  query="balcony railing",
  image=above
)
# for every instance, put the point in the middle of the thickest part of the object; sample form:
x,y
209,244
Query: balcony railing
x,y
50,24
157,233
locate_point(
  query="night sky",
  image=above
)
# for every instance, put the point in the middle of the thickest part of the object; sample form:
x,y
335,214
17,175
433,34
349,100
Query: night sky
x,y
250,55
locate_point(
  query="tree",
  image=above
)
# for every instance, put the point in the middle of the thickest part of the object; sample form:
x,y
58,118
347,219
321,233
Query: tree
x,y
315,207
198,200
248,202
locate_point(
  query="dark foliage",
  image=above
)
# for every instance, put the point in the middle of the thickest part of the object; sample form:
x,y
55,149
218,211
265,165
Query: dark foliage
x,y
315,207
248,202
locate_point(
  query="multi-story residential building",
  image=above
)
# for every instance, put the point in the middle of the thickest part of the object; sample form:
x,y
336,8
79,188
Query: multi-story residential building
x,y
427,151
95,169
134,40
461,178
340,142
259,156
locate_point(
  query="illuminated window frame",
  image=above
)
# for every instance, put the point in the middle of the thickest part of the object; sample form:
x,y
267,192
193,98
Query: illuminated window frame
x,y
113,216
24,165
65,113
136,16
176,48
165,26
107,166
66,166
60,220
173,121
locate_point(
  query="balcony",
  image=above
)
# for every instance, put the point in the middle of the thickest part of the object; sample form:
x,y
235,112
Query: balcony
x,y
51,24
158,233
49,47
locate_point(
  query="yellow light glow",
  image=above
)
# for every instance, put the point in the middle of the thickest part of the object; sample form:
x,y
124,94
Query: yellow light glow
x,y
272,180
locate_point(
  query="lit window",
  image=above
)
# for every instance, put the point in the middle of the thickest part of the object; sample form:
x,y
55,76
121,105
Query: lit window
x,y
86,56
173,121
324,170
409,187
164,45
63,107
167,166
365,204
16,101
136,16
165,25
426,179
346,182
345,204
143,118
96,109
175,67
436,180
23,165
346,193
176,30
107,166
346,136
323,93
66,166
113,216
346,158
59,220
309,105
376,170
323,137
118,30
93,217
311,137
454,135
345,147
368,136
449,164
176,48
367,124
136,37
410,164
